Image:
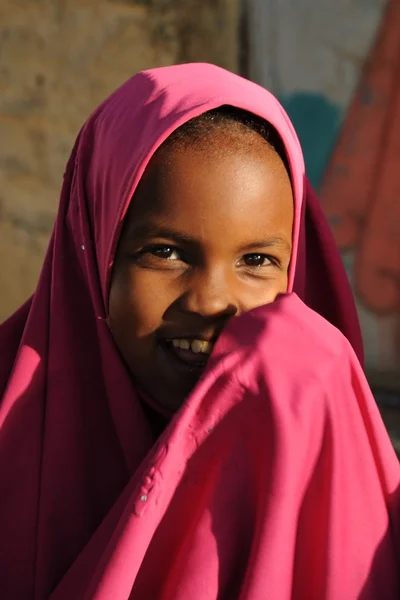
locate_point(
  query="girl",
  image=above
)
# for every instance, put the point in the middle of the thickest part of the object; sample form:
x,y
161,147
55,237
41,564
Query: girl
x,y
183,412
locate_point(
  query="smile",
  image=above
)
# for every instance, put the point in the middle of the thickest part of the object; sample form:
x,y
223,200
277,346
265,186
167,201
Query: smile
x,y
189,353
196,346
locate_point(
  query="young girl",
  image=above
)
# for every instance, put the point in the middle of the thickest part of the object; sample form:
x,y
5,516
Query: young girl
x,y
183,414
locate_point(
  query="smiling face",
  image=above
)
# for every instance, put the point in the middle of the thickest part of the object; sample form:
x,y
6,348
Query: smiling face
x,y
207,236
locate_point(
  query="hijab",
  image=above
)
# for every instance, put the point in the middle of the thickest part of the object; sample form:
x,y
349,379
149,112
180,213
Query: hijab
x,y
275,479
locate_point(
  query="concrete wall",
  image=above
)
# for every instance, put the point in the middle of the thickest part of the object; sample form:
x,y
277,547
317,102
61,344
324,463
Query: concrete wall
x,y
313,56
335,64
58,60
310,54
360,192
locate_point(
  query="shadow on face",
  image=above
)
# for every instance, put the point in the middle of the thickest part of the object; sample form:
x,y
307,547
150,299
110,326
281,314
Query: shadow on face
x,y
207,236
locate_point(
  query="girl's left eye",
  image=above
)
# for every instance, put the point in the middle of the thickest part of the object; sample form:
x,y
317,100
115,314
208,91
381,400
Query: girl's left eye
x,y
257,260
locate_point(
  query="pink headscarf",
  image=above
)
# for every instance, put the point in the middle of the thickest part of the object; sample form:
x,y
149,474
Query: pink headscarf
x,y
276,479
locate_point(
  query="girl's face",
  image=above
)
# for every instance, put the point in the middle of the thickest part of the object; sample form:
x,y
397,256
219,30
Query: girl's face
x,y
207,236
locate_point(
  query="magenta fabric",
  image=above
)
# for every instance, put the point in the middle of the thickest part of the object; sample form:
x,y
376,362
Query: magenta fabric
x,y
275,480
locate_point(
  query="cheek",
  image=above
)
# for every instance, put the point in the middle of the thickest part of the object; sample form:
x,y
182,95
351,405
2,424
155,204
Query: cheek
x,y
136,303
265,292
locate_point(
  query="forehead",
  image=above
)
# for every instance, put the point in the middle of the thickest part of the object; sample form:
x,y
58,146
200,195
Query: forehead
x,y
213,186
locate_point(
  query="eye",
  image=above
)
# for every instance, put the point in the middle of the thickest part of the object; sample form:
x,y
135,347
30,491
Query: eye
x,y
165,252
257,260
160,256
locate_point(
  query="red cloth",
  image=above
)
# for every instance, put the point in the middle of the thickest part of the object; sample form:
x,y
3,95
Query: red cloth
x,y
275,480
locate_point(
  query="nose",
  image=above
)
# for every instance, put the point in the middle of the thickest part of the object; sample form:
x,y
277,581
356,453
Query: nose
x,y
210,294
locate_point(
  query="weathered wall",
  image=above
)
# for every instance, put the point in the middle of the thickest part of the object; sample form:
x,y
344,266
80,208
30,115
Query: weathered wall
x,y
310,54
360,192
314,55
58,60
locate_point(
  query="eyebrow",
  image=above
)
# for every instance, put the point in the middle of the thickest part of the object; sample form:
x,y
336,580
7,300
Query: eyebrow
x,y
145,230
271,242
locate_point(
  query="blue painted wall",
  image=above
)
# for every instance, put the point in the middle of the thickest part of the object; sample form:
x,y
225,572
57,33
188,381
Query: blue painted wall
x,y
317,122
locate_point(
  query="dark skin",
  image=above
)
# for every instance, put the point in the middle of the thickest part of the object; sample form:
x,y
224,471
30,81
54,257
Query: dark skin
x,y
207,237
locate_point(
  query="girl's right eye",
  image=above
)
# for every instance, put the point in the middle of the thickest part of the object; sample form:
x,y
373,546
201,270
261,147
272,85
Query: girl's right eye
x,y
165,252
160,256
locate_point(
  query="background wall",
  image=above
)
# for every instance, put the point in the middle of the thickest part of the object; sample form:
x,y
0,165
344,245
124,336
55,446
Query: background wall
x,y
315,56
336,67
58,60
310,54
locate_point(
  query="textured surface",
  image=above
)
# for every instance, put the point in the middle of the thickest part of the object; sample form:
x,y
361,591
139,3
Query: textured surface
x,y
59,59
310,54
335,67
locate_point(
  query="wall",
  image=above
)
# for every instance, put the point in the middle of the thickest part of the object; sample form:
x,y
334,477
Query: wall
x,y
336,67
58,60
360,192
310,54
315,56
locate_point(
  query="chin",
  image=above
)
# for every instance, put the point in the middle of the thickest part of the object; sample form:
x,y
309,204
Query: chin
x,y
175,397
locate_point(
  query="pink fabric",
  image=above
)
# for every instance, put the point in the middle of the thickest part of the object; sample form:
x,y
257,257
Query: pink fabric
x,y
275,480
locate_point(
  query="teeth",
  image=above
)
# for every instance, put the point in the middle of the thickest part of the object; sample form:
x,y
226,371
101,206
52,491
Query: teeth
x,y
184,344
207,347
196,346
